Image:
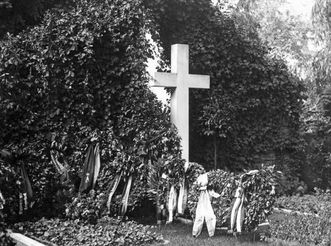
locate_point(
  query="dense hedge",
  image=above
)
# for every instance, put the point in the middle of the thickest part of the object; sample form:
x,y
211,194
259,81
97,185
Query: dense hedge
x,y
82,74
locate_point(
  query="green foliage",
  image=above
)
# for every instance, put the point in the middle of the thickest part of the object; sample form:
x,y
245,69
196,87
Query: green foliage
x,y
307,230
257,187
107,231
8,178
193,171
81,74
313,228
87,207
318,149
254,103
321,19
289,36
316,203
4,237
16,15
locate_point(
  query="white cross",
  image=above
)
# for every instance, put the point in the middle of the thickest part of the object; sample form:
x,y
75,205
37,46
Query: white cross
x,y
182,81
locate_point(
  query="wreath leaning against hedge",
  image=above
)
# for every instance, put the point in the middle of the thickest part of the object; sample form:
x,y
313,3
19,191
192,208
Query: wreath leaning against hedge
x,y
259,190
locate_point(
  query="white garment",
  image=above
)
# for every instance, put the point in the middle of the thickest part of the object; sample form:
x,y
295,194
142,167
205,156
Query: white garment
x,y
204,212
204,209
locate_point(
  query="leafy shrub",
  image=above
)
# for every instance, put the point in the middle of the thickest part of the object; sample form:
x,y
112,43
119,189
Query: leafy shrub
x,y
78,74
318,163
107,231
308,230
193,171
306,203
316,203
9,189
257,187
87,207
4,237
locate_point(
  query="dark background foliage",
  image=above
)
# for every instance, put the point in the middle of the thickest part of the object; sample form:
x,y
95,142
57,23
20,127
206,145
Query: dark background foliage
x,y
254,103
80,74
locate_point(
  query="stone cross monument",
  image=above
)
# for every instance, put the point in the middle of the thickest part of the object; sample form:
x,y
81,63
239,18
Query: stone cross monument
x,y
180,79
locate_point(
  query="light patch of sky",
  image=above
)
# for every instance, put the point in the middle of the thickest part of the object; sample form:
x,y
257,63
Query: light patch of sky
x,y
302,8
151,69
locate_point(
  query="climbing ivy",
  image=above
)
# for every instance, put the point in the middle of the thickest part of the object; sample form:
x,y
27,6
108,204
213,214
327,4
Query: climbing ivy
x,y
254,103
82,73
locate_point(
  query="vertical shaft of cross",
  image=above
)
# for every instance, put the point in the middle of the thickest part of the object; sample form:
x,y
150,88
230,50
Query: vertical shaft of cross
x,y
180,97
181,80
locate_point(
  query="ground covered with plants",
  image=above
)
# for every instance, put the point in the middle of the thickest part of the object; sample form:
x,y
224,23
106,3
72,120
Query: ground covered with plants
x,y
312,225
106,231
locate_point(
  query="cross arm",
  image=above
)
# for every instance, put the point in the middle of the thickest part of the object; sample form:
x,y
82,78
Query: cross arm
x,y
198,81
164,80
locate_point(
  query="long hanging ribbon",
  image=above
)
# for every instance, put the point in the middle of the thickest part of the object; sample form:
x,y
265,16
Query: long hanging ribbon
x,y
86,179
97,164
182,198
2,200
183,190
25,190
241,214
26,183
171,203
126,196
61,169
113,189
20,203
91,168
237,209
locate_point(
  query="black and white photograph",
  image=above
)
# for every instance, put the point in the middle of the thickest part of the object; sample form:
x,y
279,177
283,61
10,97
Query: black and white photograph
x,y
165,122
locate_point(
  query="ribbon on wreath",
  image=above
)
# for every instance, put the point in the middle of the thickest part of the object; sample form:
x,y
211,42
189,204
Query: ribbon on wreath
x,y
2,201
91,168
238,209
171,204
25,190
112,188
62,169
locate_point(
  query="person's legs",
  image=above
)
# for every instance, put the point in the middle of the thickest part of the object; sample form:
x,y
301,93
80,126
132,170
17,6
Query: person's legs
x,y
211,225
197,226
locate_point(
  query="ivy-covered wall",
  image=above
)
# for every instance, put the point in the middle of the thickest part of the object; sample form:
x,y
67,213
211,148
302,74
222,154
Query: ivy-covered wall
x,y
79,74
254,103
